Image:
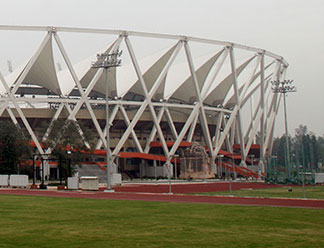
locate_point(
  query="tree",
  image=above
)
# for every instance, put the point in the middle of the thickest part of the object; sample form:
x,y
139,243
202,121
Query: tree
x,y
68,146
320,150
300,132
308,149
14,147
279,149
301,145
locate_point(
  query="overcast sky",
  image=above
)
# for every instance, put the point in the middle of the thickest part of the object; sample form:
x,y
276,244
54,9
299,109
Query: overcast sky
x,y
293,29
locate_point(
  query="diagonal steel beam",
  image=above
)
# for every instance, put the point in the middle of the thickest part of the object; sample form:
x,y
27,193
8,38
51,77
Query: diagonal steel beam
x,y
127,122
184,130
153,131
238,105
111,119
262,122
88,90
21,114
202,113
148,97
56,115
25,71
192,129
78,84
171,124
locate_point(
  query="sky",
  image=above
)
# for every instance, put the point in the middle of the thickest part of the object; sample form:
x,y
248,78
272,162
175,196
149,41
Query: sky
x,y
293,29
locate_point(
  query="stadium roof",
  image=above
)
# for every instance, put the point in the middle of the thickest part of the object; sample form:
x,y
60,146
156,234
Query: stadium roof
x,y
43,73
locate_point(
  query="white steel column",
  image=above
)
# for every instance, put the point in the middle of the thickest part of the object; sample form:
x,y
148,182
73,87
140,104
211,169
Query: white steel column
x,y
218,127
276,108
68,108
127,122
79,104
269,137
78,84
171,124
202,115
153,131
12,116
148,96
111,119
238,102
184,129
272,112
261,159
192,129
92,83
204,95
56,115
251,132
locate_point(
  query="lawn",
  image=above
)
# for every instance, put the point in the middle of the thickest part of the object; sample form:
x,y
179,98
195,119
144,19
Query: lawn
x,y
27,221
311,192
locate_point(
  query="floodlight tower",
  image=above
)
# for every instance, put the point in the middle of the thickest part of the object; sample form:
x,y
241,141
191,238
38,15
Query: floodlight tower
x,y
284,87
105,61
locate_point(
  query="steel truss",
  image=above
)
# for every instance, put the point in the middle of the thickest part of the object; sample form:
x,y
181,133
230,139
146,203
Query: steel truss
x,y
227,122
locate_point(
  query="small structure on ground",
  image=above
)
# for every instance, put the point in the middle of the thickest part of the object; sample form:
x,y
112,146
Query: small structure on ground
x,y
194,163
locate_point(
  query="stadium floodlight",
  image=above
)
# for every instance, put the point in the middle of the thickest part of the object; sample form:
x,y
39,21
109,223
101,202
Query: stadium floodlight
x,y
283,87
105,61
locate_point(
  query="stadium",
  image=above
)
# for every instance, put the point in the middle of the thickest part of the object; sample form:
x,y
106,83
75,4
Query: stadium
x,y
173,98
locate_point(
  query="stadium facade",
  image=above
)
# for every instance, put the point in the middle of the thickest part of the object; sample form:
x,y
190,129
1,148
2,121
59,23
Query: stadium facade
x,y
169,91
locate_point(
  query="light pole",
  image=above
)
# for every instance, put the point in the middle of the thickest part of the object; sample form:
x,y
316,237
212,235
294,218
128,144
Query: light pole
x,y
105,61
234,168
175,157
274,167
230,186
220,157
169,177
252,164
34,186
68,152
303,180
42,185
284,87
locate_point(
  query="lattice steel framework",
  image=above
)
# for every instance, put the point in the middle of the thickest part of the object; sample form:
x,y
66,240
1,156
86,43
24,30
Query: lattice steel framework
x,y
203,99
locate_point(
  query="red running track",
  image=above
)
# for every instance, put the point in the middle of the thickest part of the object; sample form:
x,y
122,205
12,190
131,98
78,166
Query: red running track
x,y
274,202
186,188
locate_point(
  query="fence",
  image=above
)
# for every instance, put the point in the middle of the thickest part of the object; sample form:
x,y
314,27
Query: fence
x,y
292,174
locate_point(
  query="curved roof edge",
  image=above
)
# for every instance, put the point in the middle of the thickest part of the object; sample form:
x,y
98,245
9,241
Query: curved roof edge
x,y
143,34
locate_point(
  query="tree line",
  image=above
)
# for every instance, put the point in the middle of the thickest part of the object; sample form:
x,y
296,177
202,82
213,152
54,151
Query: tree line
x,y
305,149
65,139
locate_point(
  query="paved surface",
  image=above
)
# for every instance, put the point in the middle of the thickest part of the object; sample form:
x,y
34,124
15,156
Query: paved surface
x,y
177,197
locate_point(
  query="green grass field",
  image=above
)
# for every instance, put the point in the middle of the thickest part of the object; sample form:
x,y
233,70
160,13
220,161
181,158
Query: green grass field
x,y
311,192
61,222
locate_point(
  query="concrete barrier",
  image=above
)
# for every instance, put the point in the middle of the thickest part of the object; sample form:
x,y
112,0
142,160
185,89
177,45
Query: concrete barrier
x,y
18,180
90,183
116,179
73,183
319,177
4,180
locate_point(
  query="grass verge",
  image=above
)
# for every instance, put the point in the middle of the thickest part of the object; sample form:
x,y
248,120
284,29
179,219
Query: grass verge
x,y
27,221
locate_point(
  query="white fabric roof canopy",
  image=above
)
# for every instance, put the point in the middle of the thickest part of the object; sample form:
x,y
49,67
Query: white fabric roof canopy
x,y
123,79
